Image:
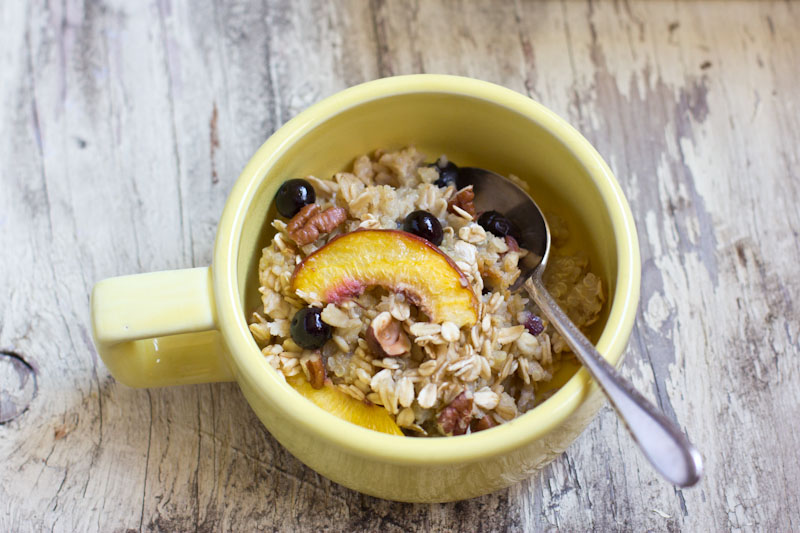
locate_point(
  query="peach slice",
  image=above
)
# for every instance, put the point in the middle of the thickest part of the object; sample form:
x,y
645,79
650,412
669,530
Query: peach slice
x,y
345,407
396,260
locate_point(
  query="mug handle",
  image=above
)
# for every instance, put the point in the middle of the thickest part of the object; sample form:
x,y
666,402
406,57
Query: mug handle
x,y
159,329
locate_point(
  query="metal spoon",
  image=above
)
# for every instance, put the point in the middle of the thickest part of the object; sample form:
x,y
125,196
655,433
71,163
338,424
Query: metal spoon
x,y
663,443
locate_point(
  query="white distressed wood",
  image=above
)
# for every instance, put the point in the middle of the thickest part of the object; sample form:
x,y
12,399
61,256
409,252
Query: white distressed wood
x,y
124,124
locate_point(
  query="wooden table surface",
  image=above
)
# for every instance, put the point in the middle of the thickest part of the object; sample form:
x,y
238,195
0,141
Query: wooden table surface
x,y
123,126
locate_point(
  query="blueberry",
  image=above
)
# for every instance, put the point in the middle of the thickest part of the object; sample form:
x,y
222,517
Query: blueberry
x,y
447,174
293,196
308,330
534,325
425,225
498,224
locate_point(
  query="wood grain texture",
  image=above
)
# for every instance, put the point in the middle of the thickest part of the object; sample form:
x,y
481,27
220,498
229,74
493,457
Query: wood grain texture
x,y
124,124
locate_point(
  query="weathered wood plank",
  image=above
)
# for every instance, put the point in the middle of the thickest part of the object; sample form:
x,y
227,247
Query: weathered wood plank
x,y
123,126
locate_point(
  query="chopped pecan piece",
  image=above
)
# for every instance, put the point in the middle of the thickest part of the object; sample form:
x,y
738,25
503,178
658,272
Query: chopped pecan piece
x,y
511,242
385,337
463,200
316,372
455,418
484,423
309,223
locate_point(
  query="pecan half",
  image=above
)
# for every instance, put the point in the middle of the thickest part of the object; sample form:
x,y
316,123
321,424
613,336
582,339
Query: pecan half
x,y
309,223
385,337
316,372
455,418
463,199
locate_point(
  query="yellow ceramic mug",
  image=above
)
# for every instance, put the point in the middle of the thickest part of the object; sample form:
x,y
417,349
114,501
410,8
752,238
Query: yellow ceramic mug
x,y
190,326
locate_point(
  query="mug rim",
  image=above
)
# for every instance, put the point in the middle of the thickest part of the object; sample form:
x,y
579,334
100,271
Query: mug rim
x,y
251,366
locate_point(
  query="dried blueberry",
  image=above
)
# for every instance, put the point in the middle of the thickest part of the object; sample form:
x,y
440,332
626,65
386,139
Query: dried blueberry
x,y
308,330
425,225
448,173
293,195
534,325
498,224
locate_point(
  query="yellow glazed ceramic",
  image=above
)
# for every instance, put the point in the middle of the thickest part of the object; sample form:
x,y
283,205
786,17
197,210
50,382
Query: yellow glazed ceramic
x,y
190,326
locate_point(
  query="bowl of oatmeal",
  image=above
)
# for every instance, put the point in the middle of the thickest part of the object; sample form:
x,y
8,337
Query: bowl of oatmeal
x,y
363,306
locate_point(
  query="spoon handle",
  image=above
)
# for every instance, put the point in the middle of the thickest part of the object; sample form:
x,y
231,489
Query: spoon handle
x,y
663,443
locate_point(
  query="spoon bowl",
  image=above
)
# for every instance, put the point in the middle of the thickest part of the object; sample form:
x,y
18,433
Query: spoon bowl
x,y
661,440
495,192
